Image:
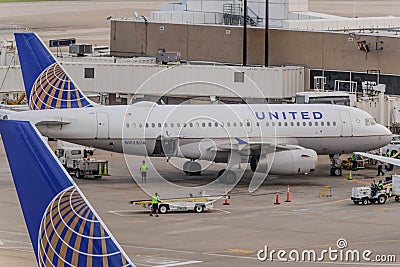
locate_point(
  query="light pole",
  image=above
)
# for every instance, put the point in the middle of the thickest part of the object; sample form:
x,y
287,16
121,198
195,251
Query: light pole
x,y
355,6
245,33
266,51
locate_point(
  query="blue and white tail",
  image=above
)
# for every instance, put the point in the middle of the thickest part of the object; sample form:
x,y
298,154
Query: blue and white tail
x,y
63,227
47,85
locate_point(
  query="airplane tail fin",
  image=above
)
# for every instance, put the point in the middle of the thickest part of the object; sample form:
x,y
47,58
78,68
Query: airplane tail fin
x,y
47,85
63,227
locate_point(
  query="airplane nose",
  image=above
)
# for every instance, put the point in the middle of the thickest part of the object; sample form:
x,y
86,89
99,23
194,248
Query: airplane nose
x,y
386,135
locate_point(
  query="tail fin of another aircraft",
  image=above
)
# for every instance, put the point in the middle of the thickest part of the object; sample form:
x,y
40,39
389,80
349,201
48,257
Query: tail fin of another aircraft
x,y
63,227
47,85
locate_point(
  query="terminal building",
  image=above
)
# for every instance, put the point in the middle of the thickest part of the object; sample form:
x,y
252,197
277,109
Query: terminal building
x,y
307,51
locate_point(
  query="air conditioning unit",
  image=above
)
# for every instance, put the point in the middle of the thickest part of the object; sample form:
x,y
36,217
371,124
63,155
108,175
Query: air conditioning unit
x,y
80,49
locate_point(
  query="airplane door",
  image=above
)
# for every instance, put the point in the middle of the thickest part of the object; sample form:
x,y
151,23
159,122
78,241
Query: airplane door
x,y
102,125
247,125
345,120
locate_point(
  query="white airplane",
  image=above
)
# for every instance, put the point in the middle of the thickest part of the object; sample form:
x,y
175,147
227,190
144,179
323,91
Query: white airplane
x,y
277,138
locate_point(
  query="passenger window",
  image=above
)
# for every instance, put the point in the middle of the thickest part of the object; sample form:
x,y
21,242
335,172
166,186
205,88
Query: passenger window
x,y
165,125
241,124
316,123
140,125
273,123
159,125
197,124
228,124
178,125
304,123
191,125
184,124
322,123
298,123
286,124
147,125
279,123
134,125
234,124
127,125
203,124
258,124
328,123
248,124
153,125
172,125
310,123
334,123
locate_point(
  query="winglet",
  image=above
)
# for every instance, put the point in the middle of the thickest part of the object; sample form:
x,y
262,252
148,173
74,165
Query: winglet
x,y
63,227
241,141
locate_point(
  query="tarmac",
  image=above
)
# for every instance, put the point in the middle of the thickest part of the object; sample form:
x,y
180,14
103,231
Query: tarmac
x,y
227,235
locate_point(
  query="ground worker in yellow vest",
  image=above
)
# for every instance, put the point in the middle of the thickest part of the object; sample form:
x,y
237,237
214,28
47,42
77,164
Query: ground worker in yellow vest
x,y
143,171
154,204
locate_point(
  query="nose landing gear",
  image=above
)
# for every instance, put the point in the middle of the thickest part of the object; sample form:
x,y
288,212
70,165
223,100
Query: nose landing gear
x,y
336,168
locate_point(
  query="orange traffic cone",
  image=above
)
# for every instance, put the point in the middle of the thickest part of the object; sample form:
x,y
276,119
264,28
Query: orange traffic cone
x,y
288,194
226,200
277,197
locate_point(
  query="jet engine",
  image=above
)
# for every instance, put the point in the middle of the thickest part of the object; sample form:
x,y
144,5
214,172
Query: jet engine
x,y
286,162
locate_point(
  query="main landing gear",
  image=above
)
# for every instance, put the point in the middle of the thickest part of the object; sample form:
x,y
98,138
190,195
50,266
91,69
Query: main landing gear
x,y
336,168
192,168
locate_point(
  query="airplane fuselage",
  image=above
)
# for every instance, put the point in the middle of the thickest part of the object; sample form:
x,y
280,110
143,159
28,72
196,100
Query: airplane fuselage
x,y
135,129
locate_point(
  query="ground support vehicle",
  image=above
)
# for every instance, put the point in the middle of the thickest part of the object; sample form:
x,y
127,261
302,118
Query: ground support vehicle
x,y
197,204
77,162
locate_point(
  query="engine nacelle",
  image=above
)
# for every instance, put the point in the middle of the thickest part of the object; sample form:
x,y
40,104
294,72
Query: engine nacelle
x,y
286,162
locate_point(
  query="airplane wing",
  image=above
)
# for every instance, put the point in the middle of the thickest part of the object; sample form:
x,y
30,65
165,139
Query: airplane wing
x,y
240,144
389,160
63,227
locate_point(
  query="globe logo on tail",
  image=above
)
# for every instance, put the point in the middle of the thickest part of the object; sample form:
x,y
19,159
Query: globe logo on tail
x,y
54,89
71,235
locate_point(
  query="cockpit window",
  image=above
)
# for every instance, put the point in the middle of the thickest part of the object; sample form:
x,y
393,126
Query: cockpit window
x,y
369,121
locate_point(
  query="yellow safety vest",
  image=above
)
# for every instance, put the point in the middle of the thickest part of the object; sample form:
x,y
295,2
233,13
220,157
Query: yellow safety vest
x,y
154,200
143,168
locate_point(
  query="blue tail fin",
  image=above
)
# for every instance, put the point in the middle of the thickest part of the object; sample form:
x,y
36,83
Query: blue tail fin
x,y
47,85
63,227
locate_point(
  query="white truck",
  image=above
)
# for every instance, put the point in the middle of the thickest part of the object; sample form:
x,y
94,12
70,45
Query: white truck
x,y
77,161
396,187
369,194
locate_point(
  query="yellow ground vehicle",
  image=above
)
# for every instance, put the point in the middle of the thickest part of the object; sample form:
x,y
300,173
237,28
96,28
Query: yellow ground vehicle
x,y
197,204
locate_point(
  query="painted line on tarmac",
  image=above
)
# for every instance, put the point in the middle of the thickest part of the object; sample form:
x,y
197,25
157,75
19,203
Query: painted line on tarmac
x,y
161,249
179,264
223,210
240,250
21,249
13,233
14,241
229,256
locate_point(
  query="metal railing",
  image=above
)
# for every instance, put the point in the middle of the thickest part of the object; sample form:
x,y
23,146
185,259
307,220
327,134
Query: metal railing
x,y
234,15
